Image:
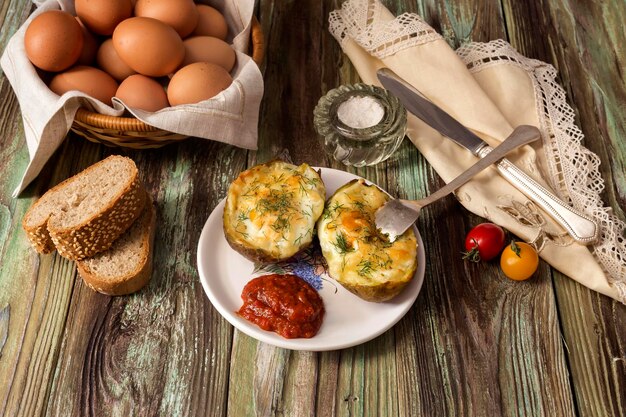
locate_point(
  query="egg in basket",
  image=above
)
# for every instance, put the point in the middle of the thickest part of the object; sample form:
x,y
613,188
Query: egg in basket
x,y
145,73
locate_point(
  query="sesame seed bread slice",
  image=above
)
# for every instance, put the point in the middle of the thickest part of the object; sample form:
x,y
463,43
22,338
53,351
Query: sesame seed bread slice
x,y
127,266
84,214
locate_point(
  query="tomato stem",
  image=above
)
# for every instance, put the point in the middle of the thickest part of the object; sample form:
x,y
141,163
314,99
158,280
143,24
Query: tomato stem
x,y
515,248
472,255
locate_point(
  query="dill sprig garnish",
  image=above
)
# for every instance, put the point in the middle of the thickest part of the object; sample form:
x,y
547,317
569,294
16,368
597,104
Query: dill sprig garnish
x,y
366,267
281,224
360,206
308,212
252,188
298,240
337,206
279,178
330,210
342,245
382,262
278,201
304,181
242,216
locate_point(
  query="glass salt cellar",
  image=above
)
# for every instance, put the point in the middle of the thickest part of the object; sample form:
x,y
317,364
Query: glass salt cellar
x,y
360,124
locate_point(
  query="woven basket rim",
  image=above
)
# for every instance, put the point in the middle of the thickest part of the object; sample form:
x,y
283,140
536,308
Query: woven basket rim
x,y
86,119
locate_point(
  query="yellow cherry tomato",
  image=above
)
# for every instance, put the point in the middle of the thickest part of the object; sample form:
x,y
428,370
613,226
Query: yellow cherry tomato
x,y
519,261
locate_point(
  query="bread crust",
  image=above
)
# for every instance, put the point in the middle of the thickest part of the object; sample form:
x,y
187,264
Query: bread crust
x,y
132,281
95,234
39,237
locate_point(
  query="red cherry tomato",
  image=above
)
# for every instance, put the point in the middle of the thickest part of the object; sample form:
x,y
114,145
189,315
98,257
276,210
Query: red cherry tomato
x,y
484,242
519,261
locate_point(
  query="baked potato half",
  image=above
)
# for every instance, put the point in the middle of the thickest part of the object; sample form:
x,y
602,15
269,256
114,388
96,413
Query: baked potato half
x,y
271,210
358,256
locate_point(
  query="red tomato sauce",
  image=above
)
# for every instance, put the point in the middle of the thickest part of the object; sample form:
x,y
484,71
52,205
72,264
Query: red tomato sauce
x,y
284,304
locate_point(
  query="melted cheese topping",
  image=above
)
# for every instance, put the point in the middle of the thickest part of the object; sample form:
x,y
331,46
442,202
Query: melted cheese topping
x,y
274,207
355,251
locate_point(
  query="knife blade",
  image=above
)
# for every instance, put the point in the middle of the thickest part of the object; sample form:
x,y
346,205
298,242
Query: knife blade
x,y
580,226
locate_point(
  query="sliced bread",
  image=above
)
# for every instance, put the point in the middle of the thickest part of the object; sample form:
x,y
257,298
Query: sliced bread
x,y
86,213
127,266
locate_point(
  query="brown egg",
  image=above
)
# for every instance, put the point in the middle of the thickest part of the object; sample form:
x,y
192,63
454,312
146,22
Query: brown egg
x,y
110,62
53,40
197,82
102,16
210,23
90,46
141,92
148,46
209,49
89,80
182,15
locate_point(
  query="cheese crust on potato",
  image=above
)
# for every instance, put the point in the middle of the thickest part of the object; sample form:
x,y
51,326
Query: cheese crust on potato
x,y
358,256
271,210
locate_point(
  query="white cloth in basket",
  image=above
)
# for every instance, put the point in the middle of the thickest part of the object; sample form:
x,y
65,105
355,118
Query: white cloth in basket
x,y
230,117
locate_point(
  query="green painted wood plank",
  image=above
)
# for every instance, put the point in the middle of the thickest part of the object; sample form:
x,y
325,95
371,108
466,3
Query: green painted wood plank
x,y
241,399
40,301
350,384
163,350
300,385
593,331
327,380
26,284
471,344
17,270
584,41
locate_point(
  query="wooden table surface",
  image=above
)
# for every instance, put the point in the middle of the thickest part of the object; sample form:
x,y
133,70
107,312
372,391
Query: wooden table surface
x,y
474,343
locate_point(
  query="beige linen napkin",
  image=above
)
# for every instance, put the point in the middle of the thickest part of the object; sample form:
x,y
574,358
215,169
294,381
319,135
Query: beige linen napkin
x,y
230,117
490,88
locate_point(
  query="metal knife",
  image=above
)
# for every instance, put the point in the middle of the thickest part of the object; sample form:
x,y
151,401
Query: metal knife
x,y
580,226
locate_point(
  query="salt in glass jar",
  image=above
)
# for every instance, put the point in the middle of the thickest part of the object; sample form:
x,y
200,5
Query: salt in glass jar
x,y
360,124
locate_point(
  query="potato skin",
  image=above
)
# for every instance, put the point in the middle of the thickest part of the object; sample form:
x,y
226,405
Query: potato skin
x,y
255,255
378,293
244,247
368,289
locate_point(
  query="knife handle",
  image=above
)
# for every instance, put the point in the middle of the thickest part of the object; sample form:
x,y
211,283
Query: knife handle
x,y
580,226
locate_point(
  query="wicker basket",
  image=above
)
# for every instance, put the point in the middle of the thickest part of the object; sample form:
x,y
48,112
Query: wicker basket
x,y
132,133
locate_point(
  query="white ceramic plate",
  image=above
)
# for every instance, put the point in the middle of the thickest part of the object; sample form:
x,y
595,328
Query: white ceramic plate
x,y
348,321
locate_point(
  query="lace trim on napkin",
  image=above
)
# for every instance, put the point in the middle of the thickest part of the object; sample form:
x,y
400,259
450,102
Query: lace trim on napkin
x,y
574,170
355,21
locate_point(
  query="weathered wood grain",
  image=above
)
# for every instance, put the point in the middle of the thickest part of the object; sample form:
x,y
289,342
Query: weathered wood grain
x,y
473,324
37,302
48,294
593,332
291,95
295,77
164,350
495,368
585,42
354,393
17,270
299,394
294,81
473,343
